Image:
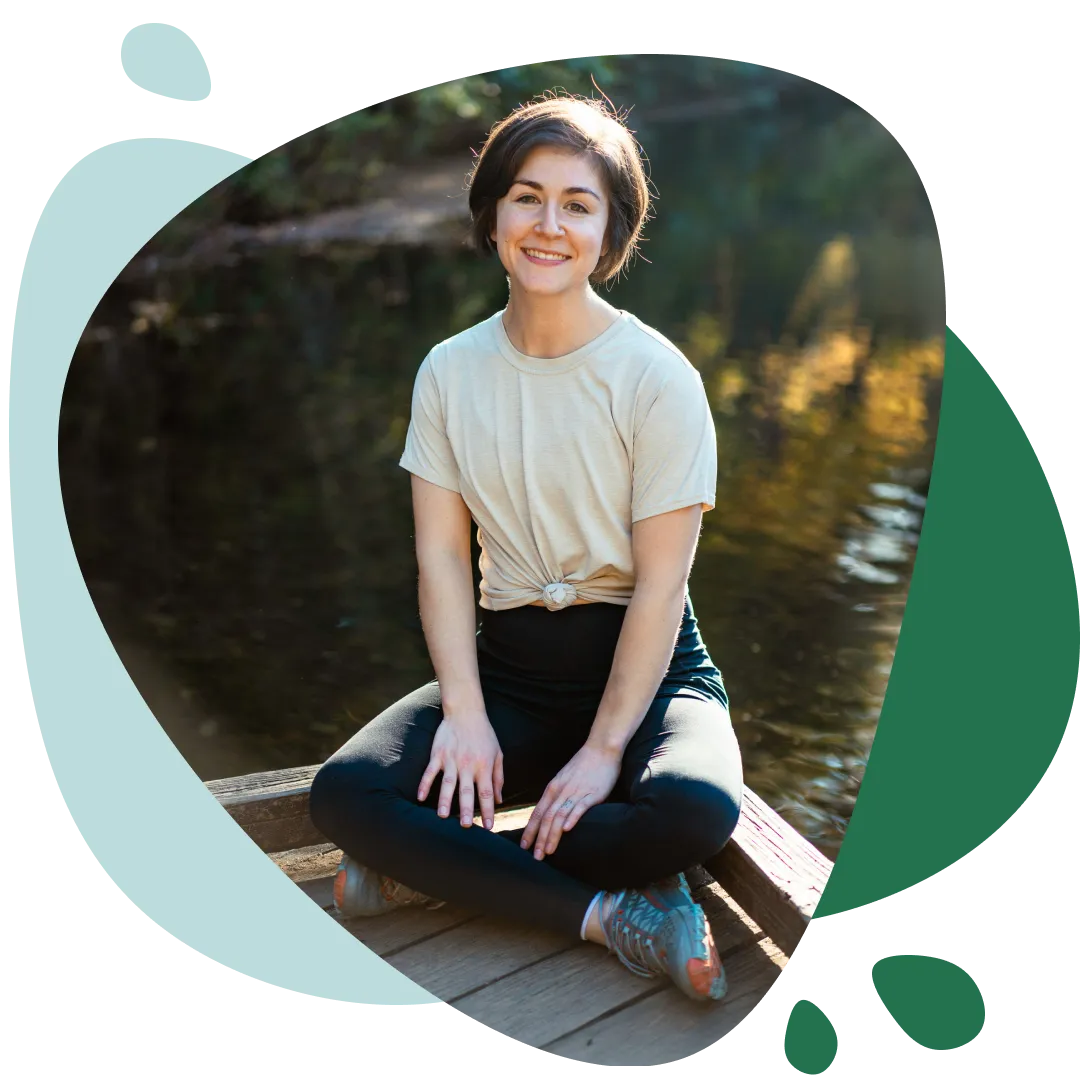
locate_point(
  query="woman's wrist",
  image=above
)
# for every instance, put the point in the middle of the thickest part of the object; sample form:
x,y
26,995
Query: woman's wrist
x,y
608,745
465,708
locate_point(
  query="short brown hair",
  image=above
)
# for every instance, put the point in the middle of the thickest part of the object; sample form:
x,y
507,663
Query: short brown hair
x,y
585,126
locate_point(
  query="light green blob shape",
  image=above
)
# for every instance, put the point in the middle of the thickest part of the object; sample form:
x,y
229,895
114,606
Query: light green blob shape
x,y
146,816
935,1002
810,1040
164,60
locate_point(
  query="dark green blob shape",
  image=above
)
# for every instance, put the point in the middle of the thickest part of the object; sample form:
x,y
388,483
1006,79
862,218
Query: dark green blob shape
x,y
935,1002
810,1041
985,669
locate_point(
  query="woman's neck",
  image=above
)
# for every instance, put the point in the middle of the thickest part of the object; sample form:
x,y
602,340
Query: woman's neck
x,y
551,326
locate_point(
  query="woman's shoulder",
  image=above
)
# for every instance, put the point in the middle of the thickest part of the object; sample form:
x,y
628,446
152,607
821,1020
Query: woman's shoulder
x,y
480,337
656,355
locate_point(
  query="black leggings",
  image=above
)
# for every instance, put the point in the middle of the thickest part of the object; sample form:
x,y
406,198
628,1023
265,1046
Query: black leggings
x,y
542,673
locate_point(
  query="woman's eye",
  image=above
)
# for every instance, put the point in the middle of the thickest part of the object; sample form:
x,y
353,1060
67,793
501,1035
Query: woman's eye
x,y
529,198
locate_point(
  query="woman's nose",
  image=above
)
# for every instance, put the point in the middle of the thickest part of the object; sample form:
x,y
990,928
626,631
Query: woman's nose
x,y
549,220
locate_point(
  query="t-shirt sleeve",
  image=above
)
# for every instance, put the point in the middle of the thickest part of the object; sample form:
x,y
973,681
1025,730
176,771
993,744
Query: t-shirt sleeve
x,y
428,453
675,450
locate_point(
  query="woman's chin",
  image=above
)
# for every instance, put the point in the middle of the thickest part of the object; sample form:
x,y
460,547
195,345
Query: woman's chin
x,y
541,285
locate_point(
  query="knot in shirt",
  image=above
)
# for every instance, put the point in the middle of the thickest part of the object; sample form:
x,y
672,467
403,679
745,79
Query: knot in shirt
x,y
559,594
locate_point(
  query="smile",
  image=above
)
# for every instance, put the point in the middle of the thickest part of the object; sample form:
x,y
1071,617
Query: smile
x,y
544,256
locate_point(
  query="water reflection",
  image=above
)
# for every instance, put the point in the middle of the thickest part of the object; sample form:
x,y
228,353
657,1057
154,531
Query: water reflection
x,y
228,450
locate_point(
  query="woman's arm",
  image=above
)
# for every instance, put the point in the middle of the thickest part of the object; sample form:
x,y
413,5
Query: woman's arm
x,y
663,552
447,608
465,749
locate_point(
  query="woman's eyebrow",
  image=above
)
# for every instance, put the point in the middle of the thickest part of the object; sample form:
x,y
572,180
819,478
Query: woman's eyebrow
x,y
566,191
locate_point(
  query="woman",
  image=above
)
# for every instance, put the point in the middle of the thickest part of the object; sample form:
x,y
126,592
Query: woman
x,y
582,444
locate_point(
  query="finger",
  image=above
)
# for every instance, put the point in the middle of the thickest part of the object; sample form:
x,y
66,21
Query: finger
x,y
497,777
465,800
580,807
485,790
433,770
529,835
531,826
545,825
446,792
555,831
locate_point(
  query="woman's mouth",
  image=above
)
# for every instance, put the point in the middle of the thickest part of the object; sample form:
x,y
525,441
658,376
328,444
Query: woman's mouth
x,y
544,258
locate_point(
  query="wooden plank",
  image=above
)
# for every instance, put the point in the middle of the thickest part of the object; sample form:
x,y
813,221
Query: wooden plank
x,y
543,1002
470,957
308,863
715,893
550,999
730,925
668,1026
387,934
313,870
264,786
513,817
271,807
774,874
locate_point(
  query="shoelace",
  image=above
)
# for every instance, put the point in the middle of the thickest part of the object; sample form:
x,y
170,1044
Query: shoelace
x,y
390,890
631,934
396,892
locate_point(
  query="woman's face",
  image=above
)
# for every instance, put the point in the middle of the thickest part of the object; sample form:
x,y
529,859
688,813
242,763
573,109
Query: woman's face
x,y
550,225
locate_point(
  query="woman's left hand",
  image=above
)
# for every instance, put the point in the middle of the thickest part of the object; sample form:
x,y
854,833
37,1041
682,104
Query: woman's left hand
x,y
587,779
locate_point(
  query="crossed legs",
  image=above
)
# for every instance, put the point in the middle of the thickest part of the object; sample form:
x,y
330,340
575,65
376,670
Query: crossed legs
x,y
675,803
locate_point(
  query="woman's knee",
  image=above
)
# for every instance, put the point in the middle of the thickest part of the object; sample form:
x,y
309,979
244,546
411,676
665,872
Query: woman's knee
x,y
697,816
343,791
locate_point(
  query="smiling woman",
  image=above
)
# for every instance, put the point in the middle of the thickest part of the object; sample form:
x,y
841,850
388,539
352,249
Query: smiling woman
x,y
601,182
581,443
554,218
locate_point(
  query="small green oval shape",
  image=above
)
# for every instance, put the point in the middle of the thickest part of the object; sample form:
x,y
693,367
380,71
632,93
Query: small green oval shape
x,y
810,1041
935,1003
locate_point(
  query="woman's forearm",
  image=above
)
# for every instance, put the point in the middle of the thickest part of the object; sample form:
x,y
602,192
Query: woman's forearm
x,y
447,612
646,643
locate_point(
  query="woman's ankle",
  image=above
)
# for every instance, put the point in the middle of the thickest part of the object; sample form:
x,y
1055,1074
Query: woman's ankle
x,y
599,910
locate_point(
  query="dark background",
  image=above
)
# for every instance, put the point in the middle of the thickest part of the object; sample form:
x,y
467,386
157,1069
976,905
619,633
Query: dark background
x,y
115,983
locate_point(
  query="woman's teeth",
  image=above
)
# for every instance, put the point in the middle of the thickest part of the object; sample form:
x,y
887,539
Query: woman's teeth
x,y
547,256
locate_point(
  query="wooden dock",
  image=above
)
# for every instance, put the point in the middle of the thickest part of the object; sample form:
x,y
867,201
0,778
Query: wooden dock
x,y
570,998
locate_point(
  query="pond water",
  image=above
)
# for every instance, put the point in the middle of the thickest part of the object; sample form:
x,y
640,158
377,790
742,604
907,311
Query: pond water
x,y
230,436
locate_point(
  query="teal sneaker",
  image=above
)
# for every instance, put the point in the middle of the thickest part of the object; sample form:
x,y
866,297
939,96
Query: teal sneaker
x,y
659,930
360,891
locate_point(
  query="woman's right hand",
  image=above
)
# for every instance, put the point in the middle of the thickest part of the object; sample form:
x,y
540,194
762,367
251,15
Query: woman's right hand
x,y
466,751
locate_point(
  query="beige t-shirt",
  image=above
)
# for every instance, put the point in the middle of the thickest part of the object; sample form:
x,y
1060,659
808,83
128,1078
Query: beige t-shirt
x,y
557,458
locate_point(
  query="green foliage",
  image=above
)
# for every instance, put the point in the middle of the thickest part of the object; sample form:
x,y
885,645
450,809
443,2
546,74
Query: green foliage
x,y
764,117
